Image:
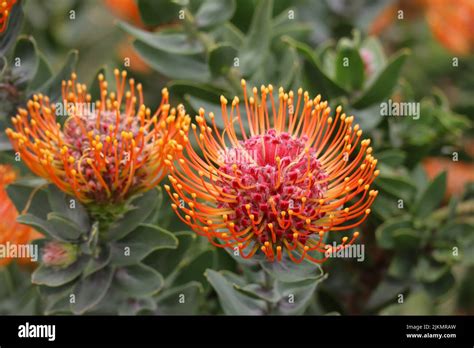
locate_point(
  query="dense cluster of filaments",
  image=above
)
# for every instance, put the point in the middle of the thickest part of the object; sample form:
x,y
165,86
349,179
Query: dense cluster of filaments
x,y
106,151
278,178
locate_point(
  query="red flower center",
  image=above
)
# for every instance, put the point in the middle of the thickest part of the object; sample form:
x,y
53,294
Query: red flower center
x,y
273,178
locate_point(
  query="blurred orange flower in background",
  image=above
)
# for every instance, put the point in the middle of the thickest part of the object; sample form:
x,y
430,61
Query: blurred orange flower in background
x,y
11,231
126,10
451,22
459,173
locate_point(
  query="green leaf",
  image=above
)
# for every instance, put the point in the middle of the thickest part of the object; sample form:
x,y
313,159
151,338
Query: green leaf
x,y
232,301
442,285
228,33
466,289
173,66
397,186
213,12
288,67
15,21
3,65
301,294
98,262
133,306
256,44
419,178
282,25
197,103
368,118
349,66
51,229
401,265
193,270
52,87
65,228
431,197
257,291
91,290
51,276
61,203
238,280
289,271
142,206
459,231
25,51
138,280
405,238
221,59
141,242
416,303
94,89
56,299
391,157
168,41
5,144
317,79
160,215
384,233
429,272
43,73
385,207
385,292
158,12
167,261
180,300
444,255
204,91
383,84
29,194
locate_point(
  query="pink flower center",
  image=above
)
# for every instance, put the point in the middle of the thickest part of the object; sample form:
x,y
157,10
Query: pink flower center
x,y
80,130
268,175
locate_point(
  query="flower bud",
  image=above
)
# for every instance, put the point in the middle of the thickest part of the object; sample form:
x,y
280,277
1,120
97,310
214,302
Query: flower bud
x,y
57,254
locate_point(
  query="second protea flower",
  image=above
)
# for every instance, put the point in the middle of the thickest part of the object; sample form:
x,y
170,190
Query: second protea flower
x,y
106,151
279,177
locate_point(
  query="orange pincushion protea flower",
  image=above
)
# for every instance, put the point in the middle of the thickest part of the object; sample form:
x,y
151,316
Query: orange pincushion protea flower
x,y
297,176
105,153
5,9
11,231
